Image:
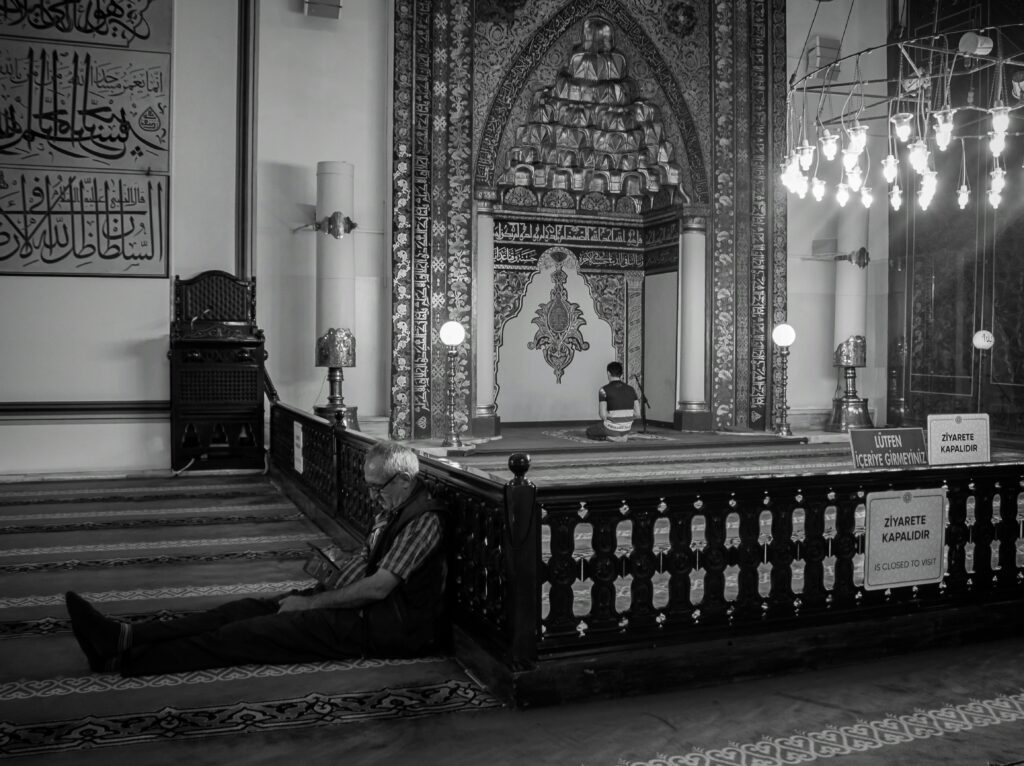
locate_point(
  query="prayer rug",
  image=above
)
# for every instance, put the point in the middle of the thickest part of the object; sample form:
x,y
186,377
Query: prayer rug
x,y
569,438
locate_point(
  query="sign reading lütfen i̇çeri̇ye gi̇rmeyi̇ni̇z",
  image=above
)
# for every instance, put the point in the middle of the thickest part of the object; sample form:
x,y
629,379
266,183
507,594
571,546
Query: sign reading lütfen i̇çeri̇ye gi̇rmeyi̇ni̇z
x,y
888,447
962,438
904,538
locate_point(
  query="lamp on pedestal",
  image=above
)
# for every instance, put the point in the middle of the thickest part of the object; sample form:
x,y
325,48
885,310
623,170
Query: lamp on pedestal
x,y
783,336
452,334
849,410
336,349
983,340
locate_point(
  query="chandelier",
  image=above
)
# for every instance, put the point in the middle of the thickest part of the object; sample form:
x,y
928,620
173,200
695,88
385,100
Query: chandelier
x,y
948,93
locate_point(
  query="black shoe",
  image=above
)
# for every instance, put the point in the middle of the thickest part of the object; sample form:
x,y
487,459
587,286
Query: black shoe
x,y
101,638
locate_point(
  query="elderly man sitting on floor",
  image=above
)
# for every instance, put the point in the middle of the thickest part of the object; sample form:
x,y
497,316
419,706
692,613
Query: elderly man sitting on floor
x,y
385,603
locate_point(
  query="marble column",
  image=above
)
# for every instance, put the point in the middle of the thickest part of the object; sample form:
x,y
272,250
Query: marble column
x,y
335,258
485,421
849,337
693,413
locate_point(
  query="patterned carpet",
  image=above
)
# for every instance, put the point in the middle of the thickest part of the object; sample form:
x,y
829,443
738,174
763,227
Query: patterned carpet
x,y
168,547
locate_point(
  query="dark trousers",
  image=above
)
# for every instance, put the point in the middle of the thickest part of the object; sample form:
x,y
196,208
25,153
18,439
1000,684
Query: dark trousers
x,y
241,632
600,433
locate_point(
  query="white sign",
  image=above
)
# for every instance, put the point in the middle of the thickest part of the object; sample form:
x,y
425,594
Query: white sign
x,y
297,446
904,538
958,439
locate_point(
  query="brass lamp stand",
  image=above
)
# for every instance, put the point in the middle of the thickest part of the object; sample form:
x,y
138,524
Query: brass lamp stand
x,y
783,336
850,411
336,349
452,334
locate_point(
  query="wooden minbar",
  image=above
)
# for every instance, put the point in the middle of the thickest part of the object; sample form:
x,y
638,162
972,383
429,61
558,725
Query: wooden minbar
x,y
217,375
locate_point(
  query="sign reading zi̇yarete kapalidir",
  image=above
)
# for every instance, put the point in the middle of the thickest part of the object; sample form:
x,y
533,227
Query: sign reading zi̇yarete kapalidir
x,y
904,538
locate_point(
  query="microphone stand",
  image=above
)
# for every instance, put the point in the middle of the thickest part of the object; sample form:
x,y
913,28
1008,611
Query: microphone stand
x,y
644,404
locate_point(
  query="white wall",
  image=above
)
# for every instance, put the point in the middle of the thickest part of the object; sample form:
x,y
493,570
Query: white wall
x,y
323,95
527,388
660,344
74,339
811,283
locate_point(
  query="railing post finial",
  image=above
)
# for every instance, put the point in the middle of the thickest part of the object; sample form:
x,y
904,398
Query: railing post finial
x,y
519,464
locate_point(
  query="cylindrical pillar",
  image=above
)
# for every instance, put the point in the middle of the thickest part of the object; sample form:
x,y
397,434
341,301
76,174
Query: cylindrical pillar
x,y
335,258
849,335
851,276
692,411
485,421
335,271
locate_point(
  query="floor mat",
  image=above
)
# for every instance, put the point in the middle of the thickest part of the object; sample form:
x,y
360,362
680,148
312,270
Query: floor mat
x,y
158,549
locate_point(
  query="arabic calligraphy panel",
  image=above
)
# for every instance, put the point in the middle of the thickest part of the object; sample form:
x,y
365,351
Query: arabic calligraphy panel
x,y
119,23
60,222
81,107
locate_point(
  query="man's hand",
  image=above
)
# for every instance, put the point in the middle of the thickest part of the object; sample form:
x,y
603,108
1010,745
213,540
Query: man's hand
x,y
295,604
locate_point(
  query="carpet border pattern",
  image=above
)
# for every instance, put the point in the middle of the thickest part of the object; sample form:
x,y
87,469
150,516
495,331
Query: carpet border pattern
x,y
56,599
835,741
309,711
26,688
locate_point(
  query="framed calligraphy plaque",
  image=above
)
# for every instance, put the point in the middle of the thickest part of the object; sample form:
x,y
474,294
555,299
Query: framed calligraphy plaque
x,y
85,94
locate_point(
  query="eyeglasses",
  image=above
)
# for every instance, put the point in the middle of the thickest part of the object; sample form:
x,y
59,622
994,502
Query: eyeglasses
x,y
376,490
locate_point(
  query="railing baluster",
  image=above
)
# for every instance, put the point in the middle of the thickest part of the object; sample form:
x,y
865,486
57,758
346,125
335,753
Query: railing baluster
x,y
984,534
679,563
1008,534
642,564
748,556
845,548
813,552
602,568
713,558
956,538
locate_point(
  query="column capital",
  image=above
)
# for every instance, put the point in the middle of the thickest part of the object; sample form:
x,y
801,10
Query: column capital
x,y
697,223
484,207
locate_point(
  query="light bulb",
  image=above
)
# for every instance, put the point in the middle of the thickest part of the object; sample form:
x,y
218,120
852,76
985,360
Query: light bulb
x,y
850,158
800,186
943,128
842,194
818,189
924,199
919,156
784,175
829,145
963,195
889,166
902,123
895,197
929,182
998,176
806,154
1000,118
866,198
858,137
994,198
855,179
997,144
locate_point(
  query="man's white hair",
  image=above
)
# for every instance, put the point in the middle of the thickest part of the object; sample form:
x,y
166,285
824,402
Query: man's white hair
x,y
394,458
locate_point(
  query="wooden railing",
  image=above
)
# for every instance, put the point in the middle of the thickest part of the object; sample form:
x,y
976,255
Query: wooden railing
x,y
486,540
562,572
313,471
643,562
